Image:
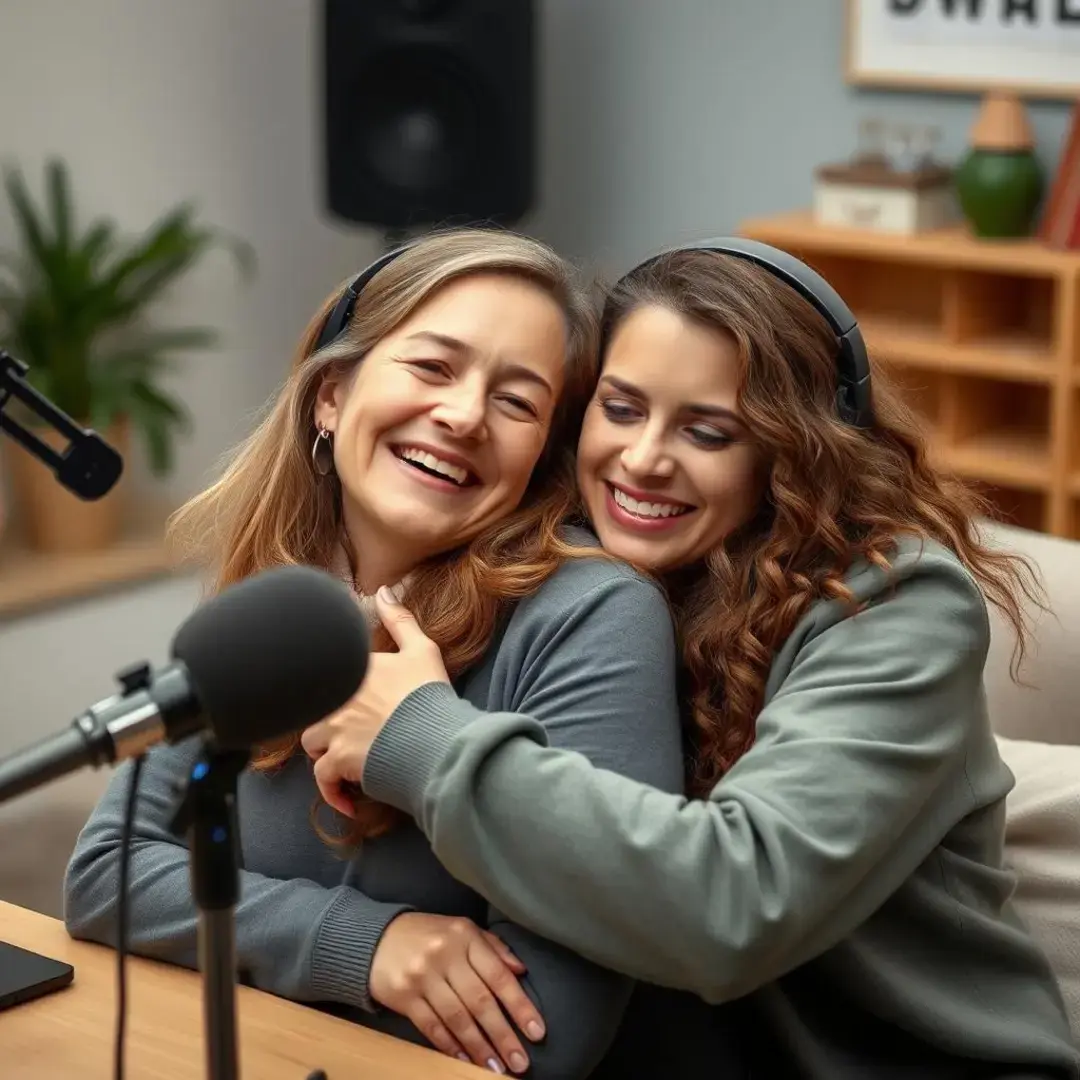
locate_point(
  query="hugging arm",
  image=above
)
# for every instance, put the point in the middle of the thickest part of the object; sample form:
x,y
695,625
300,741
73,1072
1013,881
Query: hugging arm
x,y
295,938
857,772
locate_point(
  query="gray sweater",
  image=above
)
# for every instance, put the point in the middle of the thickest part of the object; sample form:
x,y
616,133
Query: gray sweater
x,y
591,656
840,895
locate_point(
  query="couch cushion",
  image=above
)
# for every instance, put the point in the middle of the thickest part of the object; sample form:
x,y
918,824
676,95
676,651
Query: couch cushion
x,y
1045,711
1042,845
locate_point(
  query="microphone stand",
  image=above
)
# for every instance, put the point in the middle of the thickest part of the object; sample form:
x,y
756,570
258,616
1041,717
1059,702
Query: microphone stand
x,y
206,816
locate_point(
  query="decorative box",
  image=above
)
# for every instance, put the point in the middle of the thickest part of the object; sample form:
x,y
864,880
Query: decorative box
x,y
873,195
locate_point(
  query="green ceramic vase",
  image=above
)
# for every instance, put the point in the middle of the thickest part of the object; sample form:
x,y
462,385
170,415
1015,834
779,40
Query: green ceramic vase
x,y
999,191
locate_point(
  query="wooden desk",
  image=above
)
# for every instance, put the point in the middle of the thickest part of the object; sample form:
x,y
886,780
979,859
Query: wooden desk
x,y
71,1033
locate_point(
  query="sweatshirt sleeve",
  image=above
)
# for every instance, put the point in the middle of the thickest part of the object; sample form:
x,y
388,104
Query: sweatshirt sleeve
x,y
598,679
856,775
294,938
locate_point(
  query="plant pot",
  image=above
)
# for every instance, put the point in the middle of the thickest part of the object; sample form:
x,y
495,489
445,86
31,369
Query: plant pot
x,y
52,519
999,191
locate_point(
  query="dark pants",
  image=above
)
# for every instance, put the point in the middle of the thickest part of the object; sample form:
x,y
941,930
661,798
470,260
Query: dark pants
x,y
667,1035
674,1036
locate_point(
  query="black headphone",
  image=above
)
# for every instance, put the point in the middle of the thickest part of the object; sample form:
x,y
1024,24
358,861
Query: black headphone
x,y
339,316
853,399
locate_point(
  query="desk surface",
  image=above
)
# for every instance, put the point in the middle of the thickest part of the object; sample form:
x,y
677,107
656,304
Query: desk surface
x,y
71,1033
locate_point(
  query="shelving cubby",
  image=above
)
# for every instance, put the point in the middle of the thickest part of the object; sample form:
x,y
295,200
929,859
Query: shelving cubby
x,y
983,340
1073,443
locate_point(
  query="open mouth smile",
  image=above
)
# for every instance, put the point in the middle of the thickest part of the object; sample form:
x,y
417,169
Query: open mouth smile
x,y
641,514
446,468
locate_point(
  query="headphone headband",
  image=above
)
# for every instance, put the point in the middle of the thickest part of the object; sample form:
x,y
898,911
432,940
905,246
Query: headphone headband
x,y
853,397
341,313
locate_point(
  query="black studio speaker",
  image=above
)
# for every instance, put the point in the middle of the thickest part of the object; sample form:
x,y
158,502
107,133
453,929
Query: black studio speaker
x,y
430,110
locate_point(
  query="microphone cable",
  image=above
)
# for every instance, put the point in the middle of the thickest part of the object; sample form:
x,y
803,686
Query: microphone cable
x,y
122,917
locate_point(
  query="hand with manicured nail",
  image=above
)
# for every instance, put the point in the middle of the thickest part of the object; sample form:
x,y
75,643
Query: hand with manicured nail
x,y
339,745
458,984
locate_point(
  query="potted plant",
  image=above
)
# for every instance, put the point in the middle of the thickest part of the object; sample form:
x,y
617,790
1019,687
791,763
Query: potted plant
x,y
73,307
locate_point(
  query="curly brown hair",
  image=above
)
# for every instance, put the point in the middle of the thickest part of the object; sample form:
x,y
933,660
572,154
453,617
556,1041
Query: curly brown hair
x,y
834,494
268,509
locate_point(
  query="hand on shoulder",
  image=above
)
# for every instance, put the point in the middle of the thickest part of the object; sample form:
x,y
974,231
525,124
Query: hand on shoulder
x,y
339,744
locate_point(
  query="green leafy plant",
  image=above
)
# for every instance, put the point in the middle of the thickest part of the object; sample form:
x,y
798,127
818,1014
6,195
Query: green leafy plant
x,y
73,304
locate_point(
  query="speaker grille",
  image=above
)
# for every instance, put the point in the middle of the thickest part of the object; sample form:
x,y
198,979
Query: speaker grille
x,y
417,122
429,110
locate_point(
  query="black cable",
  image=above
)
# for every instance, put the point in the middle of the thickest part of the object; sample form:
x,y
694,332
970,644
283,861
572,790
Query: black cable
x,y
122,919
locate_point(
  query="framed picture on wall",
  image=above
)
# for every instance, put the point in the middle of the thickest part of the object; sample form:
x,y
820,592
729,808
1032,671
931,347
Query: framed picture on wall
x,y
1031,47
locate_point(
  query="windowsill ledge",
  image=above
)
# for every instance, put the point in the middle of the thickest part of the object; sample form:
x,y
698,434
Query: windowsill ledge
x,y
31,580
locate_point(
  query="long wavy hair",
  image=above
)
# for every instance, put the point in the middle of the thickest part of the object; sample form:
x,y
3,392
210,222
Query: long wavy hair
x,y
270,509
833,495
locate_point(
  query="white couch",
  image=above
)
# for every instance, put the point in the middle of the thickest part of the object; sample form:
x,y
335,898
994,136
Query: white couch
x,y
1038,728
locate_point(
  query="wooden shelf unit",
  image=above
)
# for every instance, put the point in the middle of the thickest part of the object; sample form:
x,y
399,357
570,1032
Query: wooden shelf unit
x,y
983,338
31,581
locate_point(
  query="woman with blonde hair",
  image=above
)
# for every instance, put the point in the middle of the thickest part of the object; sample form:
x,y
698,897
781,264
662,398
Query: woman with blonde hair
x,y
423,443
836,883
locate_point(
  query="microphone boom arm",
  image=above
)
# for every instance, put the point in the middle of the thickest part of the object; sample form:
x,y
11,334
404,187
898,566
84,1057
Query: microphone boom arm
x,y
89,466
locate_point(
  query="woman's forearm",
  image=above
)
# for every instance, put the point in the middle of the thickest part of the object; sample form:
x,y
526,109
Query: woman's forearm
x,y
294,938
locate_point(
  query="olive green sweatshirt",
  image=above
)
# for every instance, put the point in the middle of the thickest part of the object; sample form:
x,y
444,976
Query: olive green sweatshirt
x,y
842,889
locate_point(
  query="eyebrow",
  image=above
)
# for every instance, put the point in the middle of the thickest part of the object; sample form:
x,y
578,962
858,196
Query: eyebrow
x,y
717,411
511,371
448,342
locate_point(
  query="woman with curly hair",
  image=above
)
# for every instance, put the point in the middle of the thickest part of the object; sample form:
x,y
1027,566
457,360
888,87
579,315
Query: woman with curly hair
x,y
835,883
423,442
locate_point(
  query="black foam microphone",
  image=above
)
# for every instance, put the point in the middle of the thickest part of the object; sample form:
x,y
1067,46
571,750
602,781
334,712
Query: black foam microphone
x,y
269,656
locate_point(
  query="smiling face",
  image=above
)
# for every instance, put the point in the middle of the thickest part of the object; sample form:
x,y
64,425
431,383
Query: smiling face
x,y
665,464
437,430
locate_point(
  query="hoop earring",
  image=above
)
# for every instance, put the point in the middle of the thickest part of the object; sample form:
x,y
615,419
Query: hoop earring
x,y
322,465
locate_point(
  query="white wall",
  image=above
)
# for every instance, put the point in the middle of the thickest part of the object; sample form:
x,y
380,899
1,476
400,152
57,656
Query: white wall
x,y
55,664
